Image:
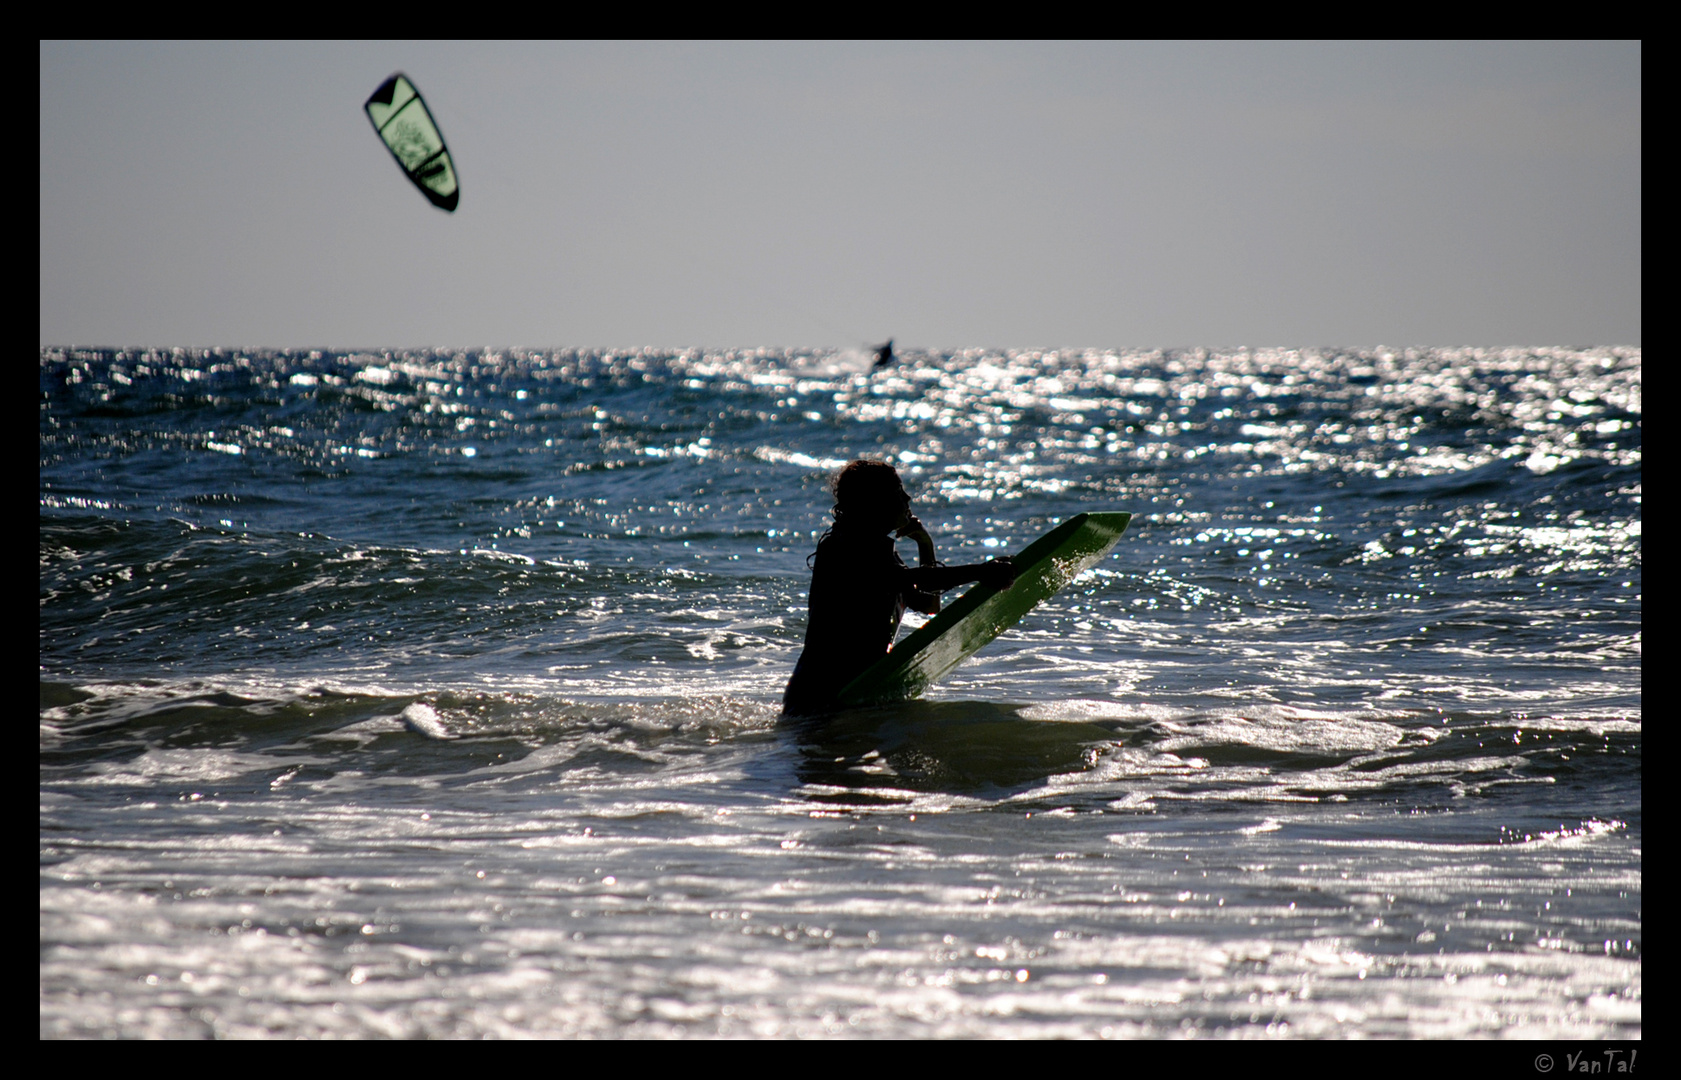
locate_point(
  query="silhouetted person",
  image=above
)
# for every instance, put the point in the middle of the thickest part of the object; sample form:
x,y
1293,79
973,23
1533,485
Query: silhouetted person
x,y
884,356
860,587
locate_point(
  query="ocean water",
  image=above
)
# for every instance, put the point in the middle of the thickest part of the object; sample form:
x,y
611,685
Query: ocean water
x,y
412,693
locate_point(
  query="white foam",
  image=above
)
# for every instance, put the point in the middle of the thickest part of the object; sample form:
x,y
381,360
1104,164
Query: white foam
x,y
424,719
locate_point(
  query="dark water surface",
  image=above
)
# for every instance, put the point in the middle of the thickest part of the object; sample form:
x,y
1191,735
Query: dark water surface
x,y
415,693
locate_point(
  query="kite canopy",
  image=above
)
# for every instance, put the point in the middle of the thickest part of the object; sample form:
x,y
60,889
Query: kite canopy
x,y
403,121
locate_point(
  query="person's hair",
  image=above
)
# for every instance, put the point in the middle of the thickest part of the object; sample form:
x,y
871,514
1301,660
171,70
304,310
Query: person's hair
x,y
862,489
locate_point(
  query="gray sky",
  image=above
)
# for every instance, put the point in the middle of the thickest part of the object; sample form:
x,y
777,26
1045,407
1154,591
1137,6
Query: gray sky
x,y
973,194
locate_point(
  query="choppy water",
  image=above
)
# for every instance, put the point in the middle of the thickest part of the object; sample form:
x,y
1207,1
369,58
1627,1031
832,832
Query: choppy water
x,y
418,693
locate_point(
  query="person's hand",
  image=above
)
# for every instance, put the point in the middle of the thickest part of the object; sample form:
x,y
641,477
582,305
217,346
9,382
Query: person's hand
x,y
1000,573
914,530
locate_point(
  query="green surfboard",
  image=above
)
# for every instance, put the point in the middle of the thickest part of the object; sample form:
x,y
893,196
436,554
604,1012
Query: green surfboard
x,y
929,653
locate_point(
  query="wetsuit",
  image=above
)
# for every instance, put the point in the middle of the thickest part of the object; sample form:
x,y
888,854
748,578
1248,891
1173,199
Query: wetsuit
x,y
859,591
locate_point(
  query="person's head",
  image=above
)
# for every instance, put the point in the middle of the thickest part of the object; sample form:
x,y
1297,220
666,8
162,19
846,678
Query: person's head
x,y
869,494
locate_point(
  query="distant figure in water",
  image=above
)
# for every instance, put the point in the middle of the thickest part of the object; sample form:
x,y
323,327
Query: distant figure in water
x,y
884,356
860,587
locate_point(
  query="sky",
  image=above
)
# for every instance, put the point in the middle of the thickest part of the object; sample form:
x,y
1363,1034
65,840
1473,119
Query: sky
x,y
949,195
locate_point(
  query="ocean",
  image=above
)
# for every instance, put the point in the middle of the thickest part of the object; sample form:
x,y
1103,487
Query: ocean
x,y
414,693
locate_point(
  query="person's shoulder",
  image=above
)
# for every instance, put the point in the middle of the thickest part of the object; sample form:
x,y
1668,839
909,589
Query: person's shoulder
x,y
852,544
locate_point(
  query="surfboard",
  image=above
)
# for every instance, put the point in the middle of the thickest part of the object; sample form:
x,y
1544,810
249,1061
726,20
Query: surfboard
x,y
930,652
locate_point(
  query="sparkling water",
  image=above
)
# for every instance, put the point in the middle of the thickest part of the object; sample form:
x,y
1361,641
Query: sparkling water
x,y
417,693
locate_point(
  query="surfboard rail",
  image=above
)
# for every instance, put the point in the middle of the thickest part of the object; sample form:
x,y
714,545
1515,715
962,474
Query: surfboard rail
x,y
930,652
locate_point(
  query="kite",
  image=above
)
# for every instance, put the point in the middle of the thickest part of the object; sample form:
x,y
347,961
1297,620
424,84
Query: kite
x,y
404,123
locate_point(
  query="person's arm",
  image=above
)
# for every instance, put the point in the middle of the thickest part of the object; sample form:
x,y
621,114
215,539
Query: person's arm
x,y
924,600
931,577
999,573
915,530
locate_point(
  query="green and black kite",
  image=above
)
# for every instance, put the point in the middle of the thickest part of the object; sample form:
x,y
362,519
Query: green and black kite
x,y
412,136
